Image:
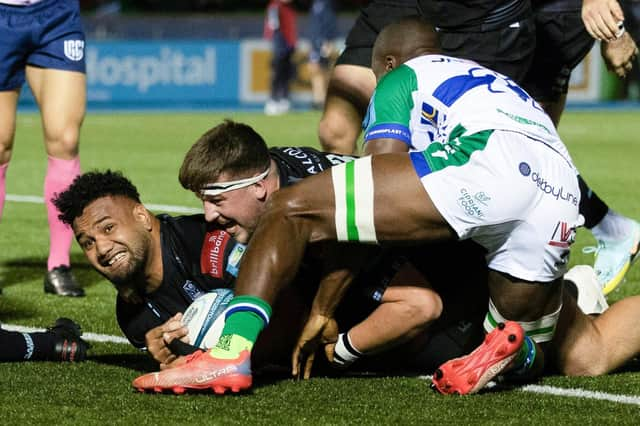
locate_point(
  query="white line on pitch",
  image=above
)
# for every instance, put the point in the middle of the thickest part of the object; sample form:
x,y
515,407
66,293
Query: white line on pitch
x,y
92,337
155,207
570,392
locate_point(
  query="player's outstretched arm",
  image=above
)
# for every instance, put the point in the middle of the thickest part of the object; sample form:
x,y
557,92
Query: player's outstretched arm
x,y
343,262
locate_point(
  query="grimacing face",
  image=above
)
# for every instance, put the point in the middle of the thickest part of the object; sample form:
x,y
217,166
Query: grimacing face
x,y
237,211
115,237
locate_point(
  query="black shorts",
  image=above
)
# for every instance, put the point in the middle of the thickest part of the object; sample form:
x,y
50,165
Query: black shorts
x,y
562,43
370,21
508,50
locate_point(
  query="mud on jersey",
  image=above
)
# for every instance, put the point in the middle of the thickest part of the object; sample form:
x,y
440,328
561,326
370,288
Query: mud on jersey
x,y
428,98
195,259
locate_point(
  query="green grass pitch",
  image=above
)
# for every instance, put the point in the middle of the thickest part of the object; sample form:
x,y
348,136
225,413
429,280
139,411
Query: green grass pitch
x,y
148,147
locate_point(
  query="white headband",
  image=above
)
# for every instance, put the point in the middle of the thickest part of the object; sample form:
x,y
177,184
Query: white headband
x,y
217,188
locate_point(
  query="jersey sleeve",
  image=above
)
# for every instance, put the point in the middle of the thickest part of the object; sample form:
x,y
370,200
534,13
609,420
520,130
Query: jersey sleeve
x,y
389,111
134,321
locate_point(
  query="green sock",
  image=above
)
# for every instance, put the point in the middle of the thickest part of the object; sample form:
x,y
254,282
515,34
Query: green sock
x,y
525,358
247,316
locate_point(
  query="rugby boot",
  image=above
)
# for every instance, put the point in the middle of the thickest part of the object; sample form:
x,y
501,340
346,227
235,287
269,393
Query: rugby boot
x,y
68,345
201,371
470,373
61,281
614,258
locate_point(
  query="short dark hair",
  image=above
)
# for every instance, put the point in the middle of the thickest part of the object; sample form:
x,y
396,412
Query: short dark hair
x,y
89,187
229,147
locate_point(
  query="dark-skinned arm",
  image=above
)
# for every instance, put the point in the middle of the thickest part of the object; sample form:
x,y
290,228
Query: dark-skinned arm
x,y
342,263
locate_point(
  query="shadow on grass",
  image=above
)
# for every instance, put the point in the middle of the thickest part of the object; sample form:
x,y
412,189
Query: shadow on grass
x,y
21,270
138,362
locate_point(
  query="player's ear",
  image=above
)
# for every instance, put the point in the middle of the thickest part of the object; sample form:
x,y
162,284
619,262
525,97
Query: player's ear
x,y
260,189
390,62
142,215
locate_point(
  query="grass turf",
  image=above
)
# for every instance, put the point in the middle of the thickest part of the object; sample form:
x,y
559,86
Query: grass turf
x,y
149,148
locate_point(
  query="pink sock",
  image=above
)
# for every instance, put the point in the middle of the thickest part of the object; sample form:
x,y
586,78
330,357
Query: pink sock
x,y
60,174
3,186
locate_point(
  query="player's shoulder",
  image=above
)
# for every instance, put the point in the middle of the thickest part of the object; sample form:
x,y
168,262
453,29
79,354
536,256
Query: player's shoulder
x,y
295,163
183,225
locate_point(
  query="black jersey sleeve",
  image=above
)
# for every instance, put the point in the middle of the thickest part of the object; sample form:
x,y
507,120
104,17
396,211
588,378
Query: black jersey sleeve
x,y
135,320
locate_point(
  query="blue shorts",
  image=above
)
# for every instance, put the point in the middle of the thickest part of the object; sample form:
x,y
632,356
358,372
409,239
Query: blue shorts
x,y
47,34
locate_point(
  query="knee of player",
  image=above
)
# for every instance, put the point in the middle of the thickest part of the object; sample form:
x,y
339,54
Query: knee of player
x,y
63,140
338,135
421,305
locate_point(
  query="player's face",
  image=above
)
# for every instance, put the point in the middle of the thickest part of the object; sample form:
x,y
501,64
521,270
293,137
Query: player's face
x,y
237,211
116,239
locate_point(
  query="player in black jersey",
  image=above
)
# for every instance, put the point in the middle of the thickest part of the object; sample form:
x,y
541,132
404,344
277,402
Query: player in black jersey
x,y
160,264
234,173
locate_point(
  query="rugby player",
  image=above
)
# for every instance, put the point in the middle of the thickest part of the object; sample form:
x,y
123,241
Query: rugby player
x,y
443,193
232,149
537,44
160,264
43,43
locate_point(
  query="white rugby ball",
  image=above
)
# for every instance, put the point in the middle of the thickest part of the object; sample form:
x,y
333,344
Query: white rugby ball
x,y
203,317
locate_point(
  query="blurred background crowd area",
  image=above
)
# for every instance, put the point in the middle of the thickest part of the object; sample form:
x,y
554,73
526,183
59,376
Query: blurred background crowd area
x,y
138,52
196,6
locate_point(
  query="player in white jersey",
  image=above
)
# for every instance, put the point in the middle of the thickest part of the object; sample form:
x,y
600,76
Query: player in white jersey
x,y
424,102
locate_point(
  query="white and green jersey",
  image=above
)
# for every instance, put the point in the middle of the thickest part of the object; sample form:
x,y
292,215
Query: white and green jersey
x,y
430,98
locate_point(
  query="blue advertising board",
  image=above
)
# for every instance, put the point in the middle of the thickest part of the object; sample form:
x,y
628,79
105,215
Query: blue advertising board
x,y
160,74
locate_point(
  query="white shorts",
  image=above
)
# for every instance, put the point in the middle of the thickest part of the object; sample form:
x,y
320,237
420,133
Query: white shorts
x,y
515,196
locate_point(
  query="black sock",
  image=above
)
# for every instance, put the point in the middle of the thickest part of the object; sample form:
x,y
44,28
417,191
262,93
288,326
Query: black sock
x,y
18,346
591,206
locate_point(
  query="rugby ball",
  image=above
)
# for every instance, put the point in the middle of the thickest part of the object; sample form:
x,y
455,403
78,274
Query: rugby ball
x,y
203,317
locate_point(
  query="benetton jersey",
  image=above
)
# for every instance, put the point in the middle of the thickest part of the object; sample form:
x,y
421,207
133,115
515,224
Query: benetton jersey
x,y
195,259
296,163
425,99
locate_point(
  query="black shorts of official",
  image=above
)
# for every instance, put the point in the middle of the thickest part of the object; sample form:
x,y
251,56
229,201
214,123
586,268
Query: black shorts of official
x,y
508,50
562,43
370,21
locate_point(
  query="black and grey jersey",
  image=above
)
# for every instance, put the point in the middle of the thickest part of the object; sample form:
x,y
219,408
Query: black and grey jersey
x,y
196,258
296,163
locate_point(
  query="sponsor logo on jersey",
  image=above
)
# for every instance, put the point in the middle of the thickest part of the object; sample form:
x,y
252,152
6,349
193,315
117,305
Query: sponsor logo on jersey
x,y
74,49
557,192
482,198
563,235
212,256
234,258
428,115
192,290
469,204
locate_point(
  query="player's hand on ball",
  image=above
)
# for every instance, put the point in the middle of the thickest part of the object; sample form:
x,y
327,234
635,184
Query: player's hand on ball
x,y
158,338
319,330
